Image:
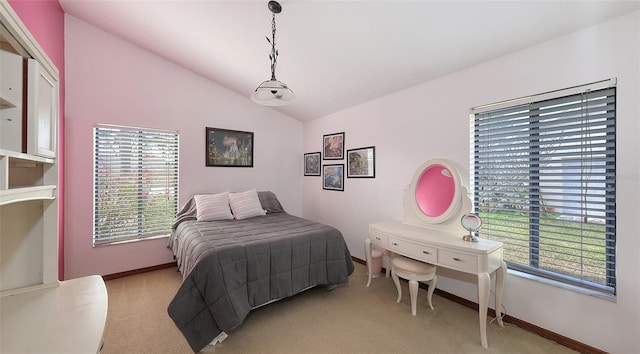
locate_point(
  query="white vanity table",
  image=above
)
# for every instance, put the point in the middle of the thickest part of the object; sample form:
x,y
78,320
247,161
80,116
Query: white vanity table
x,y
431,232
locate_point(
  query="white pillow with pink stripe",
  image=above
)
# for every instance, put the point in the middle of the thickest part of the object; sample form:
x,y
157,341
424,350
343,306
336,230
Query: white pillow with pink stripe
x,y
210,207
246,204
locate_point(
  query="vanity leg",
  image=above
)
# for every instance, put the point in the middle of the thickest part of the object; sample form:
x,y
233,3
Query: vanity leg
x,y
484,285
367,254
501,274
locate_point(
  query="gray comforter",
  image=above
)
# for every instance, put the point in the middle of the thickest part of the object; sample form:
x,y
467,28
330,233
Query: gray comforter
x,y
232,266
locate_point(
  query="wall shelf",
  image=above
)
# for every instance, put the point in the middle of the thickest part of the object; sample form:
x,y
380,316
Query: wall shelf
x,y
26,157
24,194
25,177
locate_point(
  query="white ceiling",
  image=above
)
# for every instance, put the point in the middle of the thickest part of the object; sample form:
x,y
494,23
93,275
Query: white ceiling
x,y
338,54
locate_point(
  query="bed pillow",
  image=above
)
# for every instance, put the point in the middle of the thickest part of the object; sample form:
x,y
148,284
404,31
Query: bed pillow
x,y
270,202
245,204
210,207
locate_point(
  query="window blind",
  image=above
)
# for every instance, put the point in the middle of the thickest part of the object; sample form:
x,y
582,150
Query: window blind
x,y
135,183
544,182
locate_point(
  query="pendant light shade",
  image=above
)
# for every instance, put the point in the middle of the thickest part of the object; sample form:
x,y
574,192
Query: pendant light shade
x,y
273,92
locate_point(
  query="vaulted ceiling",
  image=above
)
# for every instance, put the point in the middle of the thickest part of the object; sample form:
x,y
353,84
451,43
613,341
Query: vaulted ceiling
x,y
338,54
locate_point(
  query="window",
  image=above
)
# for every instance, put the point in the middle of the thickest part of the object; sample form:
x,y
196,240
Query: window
x,y
135,183
544,182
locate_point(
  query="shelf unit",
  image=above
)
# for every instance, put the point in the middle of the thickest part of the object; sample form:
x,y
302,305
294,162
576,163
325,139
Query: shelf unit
x,y
38,313
29,227
26,177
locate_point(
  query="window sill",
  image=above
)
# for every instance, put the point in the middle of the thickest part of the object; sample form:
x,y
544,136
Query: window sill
x,y
130,241
565,286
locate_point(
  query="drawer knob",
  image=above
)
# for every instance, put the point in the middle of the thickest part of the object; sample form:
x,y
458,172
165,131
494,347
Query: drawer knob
x,y
394,243
377,238
457,259
426,252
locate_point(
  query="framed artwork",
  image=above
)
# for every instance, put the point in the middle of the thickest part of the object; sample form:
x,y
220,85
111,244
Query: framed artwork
x,y
333,177
333,146
228,148
361,162
312,164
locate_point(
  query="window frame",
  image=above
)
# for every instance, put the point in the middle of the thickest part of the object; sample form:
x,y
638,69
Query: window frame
x,y
609,286
143,165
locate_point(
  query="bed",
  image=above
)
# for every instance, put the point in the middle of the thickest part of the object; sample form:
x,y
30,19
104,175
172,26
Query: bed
x,y
230,267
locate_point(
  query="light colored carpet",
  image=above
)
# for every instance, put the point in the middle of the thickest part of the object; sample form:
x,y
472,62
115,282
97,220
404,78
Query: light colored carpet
x,y
350,319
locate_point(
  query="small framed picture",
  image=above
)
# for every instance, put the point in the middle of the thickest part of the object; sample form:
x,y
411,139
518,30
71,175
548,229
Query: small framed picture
x,y
333,146
361,162
228,148
333,177
312,164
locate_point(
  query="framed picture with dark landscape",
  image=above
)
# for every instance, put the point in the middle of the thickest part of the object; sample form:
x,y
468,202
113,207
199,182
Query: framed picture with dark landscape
x,y
333,145
312,163
333,177
361,162
228,148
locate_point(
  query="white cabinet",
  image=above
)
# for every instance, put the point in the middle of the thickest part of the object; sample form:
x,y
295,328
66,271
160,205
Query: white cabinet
x,y
11,128
41,106
38,313
28,183
42,111
11,73
11,100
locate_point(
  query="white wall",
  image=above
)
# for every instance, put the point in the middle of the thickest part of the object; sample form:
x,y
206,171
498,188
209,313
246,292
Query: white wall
x,y
112,81
432,120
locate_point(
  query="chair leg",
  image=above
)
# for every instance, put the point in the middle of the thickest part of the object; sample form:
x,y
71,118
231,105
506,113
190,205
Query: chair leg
x,y
432,288
413,291
396,281
386,261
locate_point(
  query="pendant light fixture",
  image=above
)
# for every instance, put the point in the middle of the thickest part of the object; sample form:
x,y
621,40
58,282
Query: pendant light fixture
x,y
273,92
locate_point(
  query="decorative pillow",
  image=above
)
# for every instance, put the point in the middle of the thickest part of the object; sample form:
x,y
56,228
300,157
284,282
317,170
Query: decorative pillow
x,y
245,204
211,207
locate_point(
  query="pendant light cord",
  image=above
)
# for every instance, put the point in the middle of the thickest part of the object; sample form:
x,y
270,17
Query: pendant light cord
x,y
273,56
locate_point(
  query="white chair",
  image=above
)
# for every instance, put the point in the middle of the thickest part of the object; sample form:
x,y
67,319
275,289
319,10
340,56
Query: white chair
x,y
414,271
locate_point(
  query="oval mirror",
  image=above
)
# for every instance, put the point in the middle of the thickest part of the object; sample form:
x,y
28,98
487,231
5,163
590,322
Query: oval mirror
x,y
471,222
435,190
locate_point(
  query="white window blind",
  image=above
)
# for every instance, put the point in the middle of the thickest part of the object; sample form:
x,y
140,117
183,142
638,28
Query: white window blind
x,y
135,183
544,182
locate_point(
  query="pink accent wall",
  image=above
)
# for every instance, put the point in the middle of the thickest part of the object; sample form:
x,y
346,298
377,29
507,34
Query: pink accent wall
x,y
45,21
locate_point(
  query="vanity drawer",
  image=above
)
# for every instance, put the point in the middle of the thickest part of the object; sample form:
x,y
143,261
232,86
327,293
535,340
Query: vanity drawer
x,y
413,250
378,238
460,261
